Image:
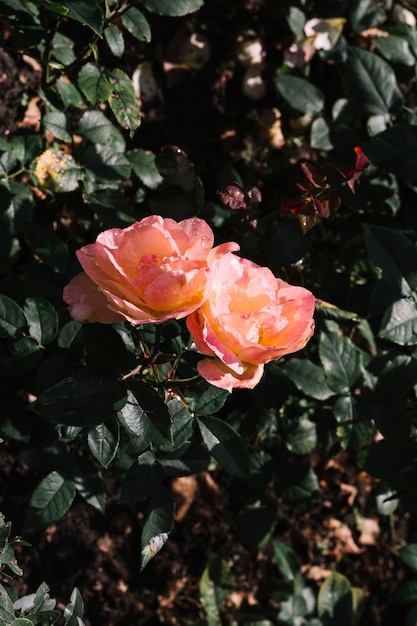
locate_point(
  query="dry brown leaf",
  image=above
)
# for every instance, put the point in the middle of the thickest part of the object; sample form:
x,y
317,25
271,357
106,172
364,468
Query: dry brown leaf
x,y
370,531
32,115
317,573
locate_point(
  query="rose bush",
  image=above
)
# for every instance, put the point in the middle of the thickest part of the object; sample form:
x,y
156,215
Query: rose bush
x,y
155,270
250,318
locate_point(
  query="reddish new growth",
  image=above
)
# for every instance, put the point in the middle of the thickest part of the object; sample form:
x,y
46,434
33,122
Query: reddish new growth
x,y
320,197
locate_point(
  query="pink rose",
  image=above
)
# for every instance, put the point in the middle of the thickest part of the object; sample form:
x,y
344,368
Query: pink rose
x,y
250,318
155,270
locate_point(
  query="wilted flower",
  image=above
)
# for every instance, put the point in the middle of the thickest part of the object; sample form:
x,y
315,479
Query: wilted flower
x,y
250,318
155,270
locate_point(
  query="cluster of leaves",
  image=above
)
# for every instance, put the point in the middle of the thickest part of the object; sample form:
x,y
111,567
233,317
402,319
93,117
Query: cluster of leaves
x,y
35,608
85,398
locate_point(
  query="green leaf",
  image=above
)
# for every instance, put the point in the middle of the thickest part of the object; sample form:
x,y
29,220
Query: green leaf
x,y
189,458
308,378
353,430
158,524
50,501
142,478
395,49
406,592
320,134
85,399
63,49
399,323
286,560
95,127
216,584
225,445
408,554
395,255
42,320
16,205
173,9
300,94
56,123
6,606
334,602
341,362
94,84
114,37
48,247
69,94
256,521
89,483
205,399
88,13
296,482
136,24
301,437
103,443
395,150
13,321
104,168
19,356
146,415
372,83
21,621
122,101
74,610
143,164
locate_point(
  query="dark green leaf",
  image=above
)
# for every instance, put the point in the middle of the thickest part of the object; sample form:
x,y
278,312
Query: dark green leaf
x,y
406,593
296,481
6,606
49,502
354,427
174,9
396,50
334,601
225,445
136,24
189,458
300,94
69,94
114,37
89,483
104,168
341,362
88,13
103,442
142,478
63,49
408,554
395,255
205,399
95,127
16,205
143,164
255,522
42,319
286,560
48,247
158,524
372,83
395,150
94,84
216,585
13,321
19,356
309,378
399,323
56,123
301,437
85,399
122,101
146,415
